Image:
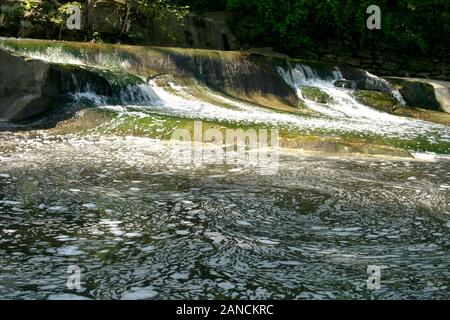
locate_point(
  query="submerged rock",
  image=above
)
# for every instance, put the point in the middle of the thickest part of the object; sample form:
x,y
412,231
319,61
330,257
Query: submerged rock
x,y
66,296
315,94
378,100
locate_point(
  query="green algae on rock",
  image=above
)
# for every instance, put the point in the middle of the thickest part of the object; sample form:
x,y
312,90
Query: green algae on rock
x,y
315,94
378,100
385,102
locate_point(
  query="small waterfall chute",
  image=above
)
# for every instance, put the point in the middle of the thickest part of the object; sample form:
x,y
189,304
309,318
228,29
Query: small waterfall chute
x,y
109,87
386,86
342,103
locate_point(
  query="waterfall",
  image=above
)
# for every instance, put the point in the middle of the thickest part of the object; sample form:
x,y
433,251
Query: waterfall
x,y
228,90
342,103
196,101
304,75
130,95
395,93
86,90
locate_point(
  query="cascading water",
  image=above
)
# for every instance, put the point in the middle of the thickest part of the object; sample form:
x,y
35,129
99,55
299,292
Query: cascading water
x,y
345,113
342,104
140,94
141,226
395,93
342,114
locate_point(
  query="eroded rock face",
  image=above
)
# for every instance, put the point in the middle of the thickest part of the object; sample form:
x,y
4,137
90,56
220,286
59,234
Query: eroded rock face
x,y
362,80
419,94
423,93
21,86
241,75
246,76
29,87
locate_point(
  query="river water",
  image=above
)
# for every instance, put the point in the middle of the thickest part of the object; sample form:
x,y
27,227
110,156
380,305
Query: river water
x,y
139,226
120,211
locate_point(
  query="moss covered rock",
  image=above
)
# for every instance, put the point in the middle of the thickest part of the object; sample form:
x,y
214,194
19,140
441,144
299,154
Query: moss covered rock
x,y
375,99
385,102
315,94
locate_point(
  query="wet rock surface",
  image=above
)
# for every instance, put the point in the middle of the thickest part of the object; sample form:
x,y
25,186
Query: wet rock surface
x,y
424,93
29,87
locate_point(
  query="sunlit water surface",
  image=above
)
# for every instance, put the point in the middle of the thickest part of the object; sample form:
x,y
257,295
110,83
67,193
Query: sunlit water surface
x,y
141,227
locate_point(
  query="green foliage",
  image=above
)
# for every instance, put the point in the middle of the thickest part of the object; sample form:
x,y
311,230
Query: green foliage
x,y
12,15
97,37
289,25
158,9
61,15
418,26
203,5
45,18
164,12
38,12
